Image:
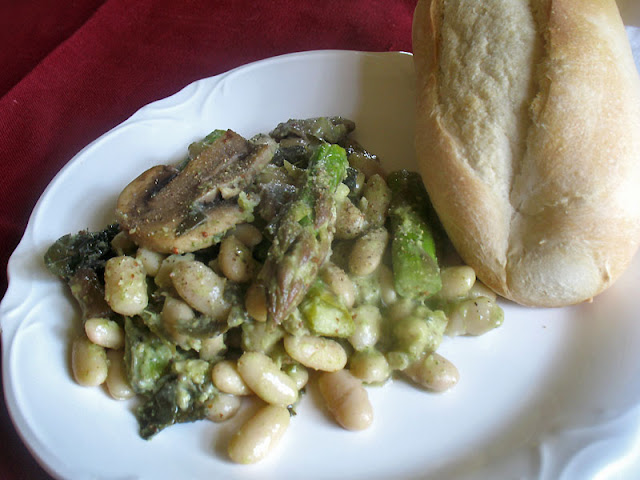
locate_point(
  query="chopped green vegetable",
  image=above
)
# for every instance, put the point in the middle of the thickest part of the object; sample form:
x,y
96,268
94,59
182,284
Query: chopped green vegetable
x,y
415,335
147,356
325,315
413,251
304,234
181,397
71,253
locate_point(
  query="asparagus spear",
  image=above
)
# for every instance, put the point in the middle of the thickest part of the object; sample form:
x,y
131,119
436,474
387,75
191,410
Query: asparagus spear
x,y
325,314
304,234
413,251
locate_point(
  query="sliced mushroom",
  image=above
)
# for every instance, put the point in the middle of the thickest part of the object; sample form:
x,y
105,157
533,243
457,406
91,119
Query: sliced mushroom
x,y
174,211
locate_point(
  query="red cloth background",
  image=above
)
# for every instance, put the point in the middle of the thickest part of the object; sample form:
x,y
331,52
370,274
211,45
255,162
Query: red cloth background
x,y
71,70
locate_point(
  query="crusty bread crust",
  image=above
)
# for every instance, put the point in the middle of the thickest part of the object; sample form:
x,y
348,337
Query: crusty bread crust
x,y
528,140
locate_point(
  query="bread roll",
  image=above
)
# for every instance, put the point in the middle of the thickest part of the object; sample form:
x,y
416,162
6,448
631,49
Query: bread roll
x,y
528,140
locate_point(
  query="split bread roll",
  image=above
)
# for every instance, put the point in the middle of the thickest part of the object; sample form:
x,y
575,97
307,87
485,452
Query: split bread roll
x,y
528,141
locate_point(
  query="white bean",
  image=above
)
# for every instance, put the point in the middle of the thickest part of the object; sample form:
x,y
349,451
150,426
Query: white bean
x,y
259,435
125,287
255,301
339,283
346,399
388,293
150,260
368,327
117,382
248,234
378,197
479,289
367,251
433,372
162,278
266,380
222,407
474,316
213,347
200,287
299,374
370,366
456,281
350,221
314,352
174,313
226,378
88,362
235,260
122,244
104,332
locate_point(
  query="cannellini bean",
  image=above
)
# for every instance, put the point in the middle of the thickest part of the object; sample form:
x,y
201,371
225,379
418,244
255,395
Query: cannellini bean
x,y
370,366
88,362
368,327
117,382
162,278
122,244
104,332
226,378
235,260
298,373
125,287
255,301
479,289
339,283
474,316
350,221
150,260
456,281
248,234
266,380
222,407
346,399
367,251
176,312
213,347
420,331
433,372
314,352
388,293
259,435
260,337
200,287
378,197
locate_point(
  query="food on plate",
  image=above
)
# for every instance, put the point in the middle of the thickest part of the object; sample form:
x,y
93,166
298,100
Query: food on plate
x,y
528,140
257,266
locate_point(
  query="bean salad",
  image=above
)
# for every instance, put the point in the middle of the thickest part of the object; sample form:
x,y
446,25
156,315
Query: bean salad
x,y
255,266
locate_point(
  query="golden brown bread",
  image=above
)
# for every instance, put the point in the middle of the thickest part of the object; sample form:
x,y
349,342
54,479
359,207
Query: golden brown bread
x,y
528,140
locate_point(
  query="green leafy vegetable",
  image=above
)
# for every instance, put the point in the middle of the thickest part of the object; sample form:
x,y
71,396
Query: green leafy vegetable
x,y
71,253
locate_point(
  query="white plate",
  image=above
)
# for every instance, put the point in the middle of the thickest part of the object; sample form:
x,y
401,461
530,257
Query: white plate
x,y
552,394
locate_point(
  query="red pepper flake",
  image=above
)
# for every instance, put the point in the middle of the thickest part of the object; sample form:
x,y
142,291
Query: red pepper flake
x,y
205,234
175,250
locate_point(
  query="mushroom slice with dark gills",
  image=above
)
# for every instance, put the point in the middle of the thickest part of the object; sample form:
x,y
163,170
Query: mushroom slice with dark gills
x,y
175,211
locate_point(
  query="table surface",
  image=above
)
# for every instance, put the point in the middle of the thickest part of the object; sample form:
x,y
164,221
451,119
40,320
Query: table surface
x,y
73,70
